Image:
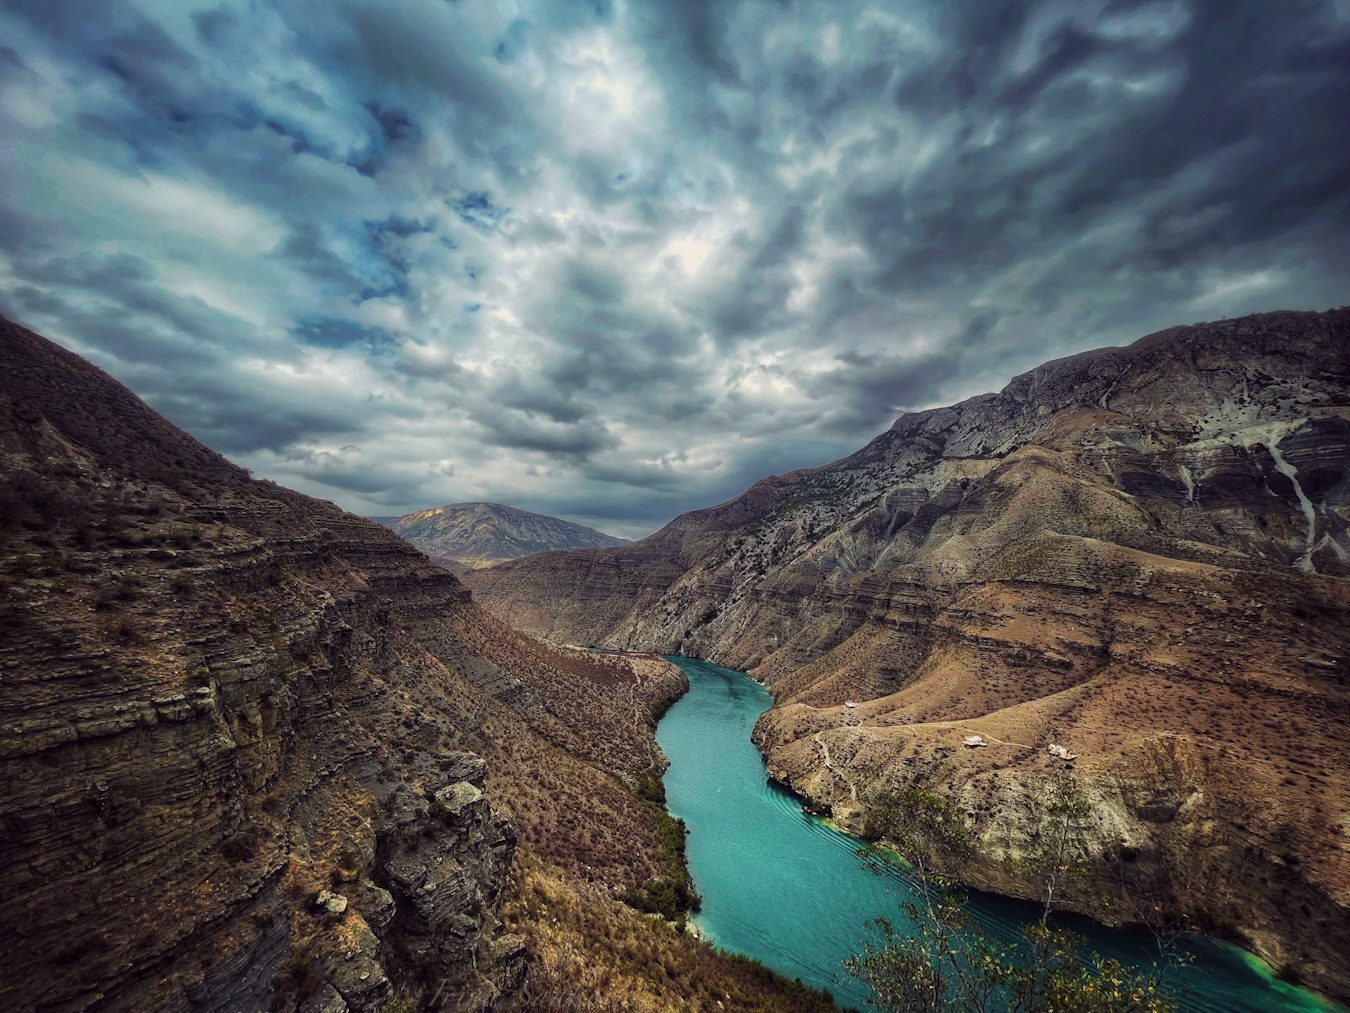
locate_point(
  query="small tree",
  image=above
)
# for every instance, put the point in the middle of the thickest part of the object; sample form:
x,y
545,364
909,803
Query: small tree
x,y
1044,730
948,963
1057,860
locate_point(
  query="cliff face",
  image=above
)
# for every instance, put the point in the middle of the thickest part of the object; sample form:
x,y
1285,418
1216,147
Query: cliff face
x,y
1139,553
475,535
243,734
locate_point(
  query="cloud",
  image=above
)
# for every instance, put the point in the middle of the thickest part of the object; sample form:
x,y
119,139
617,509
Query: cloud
x,y
558,433
619,260
875,387
335,332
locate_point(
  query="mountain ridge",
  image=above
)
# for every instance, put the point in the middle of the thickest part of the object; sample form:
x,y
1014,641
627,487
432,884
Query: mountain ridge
x,y
1138,551
472,535
258,753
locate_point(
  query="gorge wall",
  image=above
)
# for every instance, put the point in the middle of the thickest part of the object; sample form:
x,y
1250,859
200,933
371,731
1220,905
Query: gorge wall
x,y
254,750
1137,553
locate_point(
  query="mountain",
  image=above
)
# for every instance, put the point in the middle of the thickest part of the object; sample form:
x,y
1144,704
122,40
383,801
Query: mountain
x,y
257,753
474,535
1140,554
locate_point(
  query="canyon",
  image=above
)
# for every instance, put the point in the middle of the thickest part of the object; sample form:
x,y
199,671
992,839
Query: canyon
x,y
1135,555
258,753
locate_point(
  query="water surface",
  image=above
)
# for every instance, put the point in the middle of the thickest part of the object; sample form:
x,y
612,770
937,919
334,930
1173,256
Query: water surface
x,y
789,890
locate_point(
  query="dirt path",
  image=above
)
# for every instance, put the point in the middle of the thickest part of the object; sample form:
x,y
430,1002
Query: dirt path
x,y
829,765
990,738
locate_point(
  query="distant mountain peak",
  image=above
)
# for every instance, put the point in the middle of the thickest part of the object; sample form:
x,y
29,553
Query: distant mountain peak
x,y
475,535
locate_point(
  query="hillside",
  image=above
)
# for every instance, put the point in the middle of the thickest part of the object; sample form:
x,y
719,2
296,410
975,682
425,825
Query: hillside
x,y
468,536
259,754
1139,553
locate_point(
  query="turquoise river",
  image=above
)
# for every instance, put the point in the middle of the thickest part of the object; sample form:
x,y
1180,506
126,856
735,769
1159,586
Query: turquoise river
x,y
789,890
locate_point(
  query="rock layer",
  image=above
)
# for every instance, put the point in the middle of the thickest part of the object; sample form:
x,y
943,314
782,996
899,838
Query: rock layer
x,y
1138,553
233,730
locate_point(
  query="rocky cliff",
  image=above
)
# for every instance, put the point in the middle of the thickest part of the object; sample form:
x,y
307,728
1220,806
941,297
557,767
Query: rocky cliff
x,y
253,749
1139,554
475,535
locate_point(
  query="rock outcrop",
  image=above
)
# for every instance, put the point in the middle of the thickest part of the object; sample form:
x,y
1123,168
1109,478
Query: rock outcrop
x,y
238,730
1137,553
468,536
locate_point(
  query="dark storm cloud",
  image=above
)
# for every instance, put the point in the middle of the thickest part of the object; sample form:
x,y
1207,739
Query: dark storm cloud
x,y
876,388
692,34
309,252
229,415
1248,99
179,354
661,477
333,332
118,308
620,260
756,301
348,469
594,285
524,429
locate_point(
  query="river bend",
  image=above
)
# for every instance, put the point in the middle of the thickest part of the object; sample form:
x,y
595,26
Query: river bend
x,y
789,890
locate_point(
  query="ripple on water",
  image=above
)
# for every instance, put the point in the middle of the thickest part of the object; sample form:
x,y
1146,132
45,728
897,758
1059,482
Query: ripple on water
x,y
788,889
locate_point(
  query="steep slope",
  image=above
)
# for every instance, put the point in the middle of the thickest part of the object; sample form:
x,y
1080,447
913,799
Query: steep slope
x,y
243,734
1139,552
475,535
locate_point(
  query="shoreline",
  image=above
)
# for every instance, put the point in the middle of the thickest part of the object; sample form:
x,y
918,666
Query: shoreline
x,y
1254,960
824,814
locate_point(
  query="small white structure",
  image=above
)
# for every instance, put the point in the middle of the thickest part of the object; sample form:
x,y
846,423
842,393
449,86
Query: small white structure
x,y
1060,753
974,742
850,704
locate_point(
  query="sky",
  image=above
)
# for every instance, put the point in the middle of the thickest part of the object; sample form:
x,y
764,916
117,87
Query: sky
x,y
613,261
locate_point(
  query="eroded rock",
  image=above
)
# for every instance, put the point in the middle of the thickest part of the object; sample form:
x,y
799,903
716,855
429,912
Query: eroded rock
x,y
1139,553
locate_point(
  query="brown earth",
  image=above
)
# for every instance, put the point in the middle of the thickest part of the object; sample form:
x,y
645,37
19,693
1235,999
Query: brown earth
x,y
1139,553
220,698
596,954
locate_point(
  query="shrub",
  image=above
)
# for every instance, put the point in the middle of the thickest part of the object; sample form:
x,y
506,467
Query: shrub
x,y
948,960
673,895
650,788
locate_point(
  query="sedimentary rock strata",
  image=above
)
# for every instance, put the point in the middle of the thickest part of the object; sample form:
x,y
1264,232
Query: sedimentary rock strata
x,y
1140,554
243,734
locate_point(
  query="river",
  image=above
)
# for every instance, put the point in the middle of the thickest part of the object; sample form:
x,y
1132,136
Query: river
x,y
788,889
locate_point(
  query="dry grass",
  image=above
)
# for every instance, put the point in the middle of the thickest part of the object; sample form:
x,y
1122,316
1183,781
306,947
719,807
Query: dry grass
x,y
590,952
